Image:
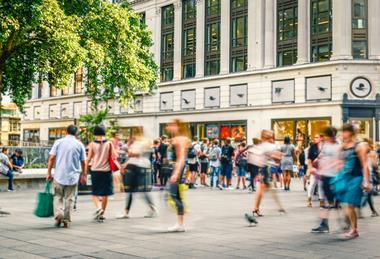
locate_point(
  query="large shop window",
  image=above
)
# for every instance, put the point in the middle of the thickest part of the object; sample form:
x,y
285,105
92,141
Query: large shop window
x,y
301,131
239,25
31,135
321,30
167,43
56,133
287,22
236,130
212,38
360,29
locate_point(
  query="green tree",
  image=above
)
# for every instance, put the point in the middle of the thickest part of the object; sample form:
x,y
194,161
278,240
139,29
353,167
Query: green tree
x,y
53,38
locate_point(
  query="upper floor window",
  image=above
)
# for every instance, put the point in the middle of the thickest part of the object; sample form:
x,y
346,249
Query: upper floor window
x,y
321,30
65,91
287,23
360,29
239,30
143,17
188,38
167,43
78,81
212,37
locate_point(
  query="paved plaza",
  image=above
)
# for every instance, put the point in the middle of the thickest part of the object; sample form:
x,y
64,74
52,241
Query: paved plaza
x,y
216,229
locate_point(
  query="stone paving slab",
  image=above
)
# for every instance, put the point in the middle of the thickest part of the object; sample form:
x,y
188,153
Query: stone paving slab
x,y
216,229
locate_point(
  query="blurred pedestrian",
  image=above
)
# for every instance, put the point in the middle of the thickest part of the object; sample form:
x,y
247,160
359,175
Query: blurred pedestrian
x,y
193,162
68,157
329,163
100,151
312,172
352,178
181,143
136,169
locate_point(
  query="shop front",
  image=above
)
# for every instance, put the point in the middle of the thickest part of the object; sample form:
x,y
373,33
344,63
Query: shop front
x,y
300,130
236,130
365,114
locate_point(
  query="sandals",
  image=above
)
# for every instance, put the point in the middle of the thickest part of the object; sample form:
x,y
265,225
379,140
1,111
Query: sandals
x,y
257,212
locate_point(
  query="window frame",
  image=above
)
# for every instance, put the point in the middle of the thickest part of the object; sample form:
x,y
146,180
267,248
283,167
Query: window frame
x,y
319,39
360,35
167,56
212,56
238,51
188,25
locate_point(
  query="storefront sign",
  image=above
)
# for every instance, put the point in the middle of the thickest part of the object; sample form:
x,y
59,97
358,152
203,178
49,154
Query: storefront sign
x,y
212,131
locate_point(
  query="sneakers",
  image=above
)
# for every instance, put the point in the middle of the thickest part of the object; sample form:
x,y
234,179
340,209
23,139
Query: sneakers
x,y
321,229
152,213
123,216
177,228
98,213
220,187
374,214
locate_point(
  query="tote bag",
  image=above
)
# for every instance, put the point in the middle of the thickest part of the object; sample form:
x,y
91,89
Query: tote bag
x,y
44,207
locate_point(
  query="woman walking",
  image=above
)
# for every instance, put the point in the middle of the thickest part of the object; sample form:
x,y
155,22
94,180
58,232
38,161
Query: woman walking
x,y
181,144
354,176
136,168
100,152
287,162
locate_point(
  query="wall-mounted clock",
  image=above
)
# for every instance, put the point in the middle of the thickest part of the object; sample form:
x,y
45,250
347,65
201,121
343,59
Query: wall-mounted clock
x,y
361,87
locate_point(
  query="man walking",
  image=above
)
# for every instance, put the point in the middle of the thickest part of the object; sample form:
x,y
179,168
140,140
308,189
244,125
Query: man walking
x,y
69,156
228,153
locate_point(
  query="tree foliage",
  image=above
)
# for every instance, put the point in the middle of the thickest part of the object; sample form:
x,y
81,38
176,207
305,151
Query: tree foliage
x,y
53,38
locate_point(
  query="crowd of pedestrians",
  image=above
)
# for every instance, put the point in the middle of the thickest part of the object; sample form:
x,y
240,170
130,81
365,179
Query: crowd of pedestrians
x,y
342,171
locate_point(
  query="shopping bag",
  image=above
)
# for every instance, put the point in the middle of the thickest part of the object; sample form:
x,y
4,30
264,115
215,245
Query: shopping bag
x,y
44,208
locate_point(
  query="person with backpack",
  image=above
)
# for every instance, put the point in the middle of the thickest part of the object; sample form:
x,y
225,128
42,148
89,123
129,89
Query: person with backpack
x,y
215,156
192,161
204,160
228,153
161,159
241,165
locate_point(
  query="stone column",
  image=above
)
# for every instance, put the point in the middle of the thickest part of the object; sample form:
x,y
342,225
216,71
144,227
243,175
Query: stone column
x,y
225,37
303,29
256,47
374,29
177,61
269,57
200,39
342,29
157,36
251,35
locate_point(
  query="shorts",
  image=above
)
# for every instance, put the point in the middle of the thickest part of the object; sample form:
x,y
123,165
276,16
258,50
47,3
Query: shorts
x,y
253,170
204,168
242,171
226,171
275,170
265,173
102,183
193,167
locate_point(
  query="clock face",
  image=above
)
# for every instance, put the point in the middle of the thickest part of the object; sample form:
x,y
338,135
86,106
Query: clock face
x,y
361,87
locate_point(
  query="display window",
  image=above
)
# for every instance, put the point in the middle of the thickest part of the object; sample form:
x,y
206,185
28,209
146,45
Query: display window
x,y
301,131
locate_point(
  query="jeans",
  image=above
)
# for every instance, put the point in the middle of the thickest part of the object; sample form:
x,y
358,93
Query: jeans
x,y
9,174
314,182
215,172
227,171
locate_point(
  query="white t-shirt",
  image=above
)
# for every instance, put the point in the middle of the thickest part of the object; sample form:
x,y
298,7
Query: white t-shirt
x,y
141,148
328,159
197,148
267,149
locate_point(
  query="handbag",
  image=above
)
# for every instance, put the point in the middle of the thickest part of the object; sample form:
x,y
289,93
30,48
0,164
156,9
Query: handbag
x,y
114,165
45,208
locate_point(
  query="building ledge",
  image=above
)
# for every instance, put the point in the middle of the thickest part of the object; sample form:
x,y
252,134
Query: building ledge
x,y
265,71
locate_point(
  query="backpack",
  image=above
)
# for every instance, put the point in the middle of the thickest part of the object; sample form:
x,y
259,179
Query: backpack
x,y
213,154
192,153
204,150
